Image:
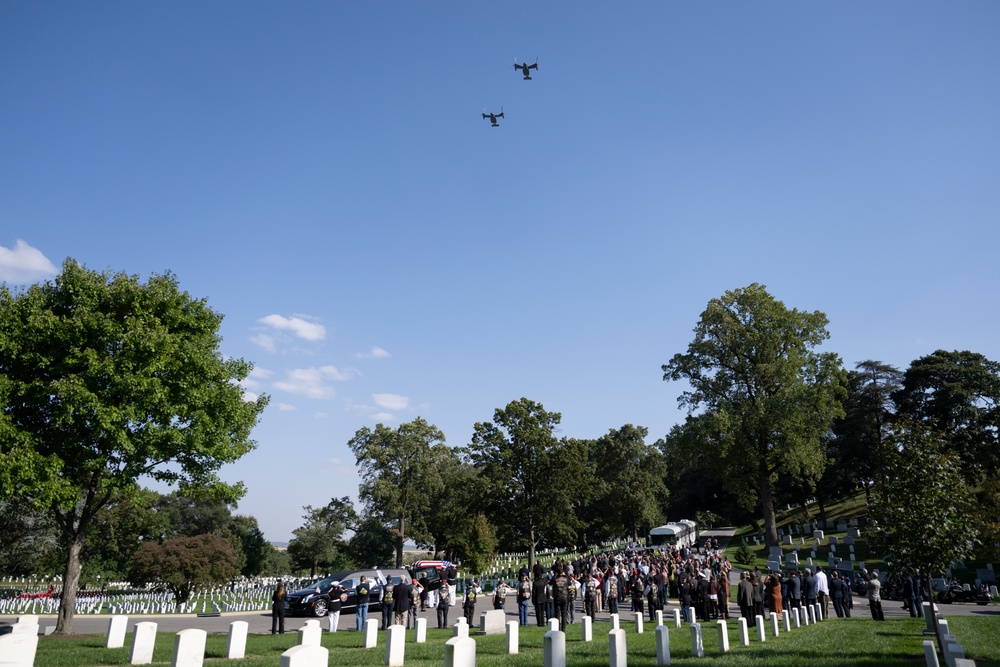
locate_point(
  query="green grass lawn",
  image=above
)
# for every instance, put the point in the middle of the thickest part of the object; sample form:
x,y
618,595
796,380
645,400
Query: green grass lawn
x,y
834,643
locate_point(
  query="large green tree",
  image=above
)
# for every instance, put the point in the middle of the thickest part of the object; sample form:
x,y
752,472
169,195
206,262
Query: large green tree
x,y
399,477
859,450
957,394
630,478
104,380
768,396
528,488
923,512
319,542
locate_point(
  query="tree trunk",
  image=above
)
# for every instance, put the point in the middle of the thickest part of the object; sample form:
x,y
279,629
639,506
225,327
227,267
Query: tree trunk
x,y
399,541
531,551
71,581
767,507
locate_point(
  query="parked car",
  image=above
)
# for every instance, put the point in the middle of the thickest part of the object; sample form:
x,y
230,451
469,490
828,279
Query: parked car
x,y
314,599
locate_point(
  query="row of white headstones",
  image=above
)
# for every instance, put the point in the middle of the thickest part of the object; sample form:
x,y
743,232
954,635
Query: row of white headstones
x,y
18,648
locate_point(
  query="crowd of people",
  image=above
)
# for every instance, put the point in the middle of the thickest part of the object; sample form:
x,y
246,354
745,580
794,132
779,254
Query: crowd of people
x,y
641,579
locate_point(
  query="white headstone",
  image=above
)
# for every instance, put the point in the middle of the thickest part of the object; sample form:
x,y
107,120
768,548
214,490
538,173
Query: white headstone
x,y
662,646
795,617
395,643
818,536
616,648
697,644
554,649
615,622
761,635
460,652
371,633
788,539
143,640
189,648
811,610
723,636
236,644
677,618
952,652
930,627
461,628
310,635
117,626
305,656
744,632
774,623
787,618
659,617
18,649
27,619
587,627
833,541
930,654
512,638
420,631
638,624
493,622
690,614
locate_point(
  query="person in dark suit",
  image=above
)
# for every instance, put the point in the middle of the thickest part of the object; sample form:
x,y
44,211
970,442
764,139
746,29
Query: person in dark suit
x,y
794,590
401,593
839,591
744,596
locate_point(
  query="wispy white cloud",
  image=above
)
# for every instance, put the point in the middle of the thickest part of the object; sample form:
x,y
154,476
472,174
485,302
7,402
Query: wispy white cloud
x,y
250,397
375,353
299,327
391,401
383,417
24,264
255,380
264,341
286,407
313,382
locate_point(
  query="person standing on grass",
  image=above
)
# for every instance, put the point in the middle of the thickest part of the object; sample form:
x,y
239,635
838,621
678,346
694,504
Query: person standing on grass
x,y
337,594
874,589
822,591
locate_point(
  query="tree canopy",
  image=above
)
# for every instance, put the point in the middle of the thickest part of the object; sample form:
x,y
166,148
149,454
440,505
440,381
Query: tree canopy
x,y
105,380
399,477
767,396
523,470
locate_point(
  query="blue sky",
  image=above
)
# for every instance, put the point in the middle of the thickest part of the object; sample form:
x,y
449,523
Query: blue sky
x,y
321,173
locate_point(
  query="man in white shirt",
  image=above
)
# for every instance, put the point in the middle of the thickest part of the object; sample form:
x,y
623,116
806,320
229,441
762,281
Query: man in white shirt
x,y
822,591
